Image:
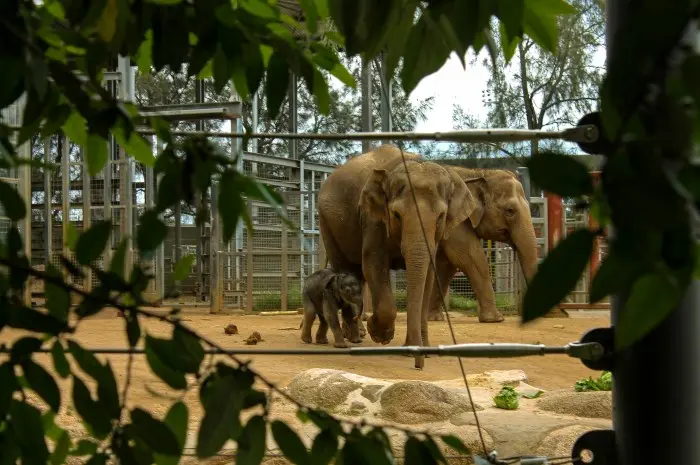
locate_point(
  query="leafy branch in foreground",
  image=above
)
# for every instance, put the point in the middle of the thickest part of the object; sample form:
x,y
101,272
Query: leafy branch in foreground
x,y
650,183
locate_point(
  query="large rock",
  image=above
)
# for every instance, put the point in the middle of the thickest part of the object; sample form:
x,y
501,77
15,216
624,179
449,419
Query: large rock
x,y
321,388
412,402
559,442
593,404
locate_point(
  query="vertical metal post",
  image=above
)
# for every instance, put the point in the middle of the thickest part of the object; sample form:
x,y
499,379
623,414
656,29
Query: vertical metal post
x,y
386,84
48,207
65,198
24,179
665,360
107,199
235,261
249,269
284,267
366,85
128,94
199,98
293,113
303,195
160,251
87,219
517,271
254,123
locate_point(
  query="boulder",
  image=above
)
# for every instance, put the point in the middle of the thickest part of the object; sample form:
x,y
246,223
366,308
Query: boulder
x,y
321,388
558,443
592,404
412,402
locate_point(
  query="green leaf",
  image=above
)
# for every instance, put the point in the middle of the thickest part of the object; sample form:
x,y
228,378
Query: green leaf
x,y
154,433
72,236
176,421
133,328
540,26
7,387
61,449
108,393
75,128
324,447
84,447
29,432
323,98
42,383
89,410
183,267
560,174
12,203
172,378
190,352
60,362
86,360
276,84
119,258
652,298
289,443
508,45
33,320
57,297
136,146
416,453
221,417
24,347
151,232
93,242
614,274
532,394
97,154
456,443
558,274
251,443
233,208
425,53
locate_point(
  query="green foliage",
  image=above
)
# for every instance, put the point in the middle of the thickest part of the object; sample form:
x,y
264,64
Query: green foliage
x,y
601,383
507,398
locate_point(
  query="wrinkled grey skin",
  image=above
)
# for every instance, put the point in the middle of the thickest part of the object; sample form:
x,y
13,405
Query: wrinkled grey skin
x,y
325,292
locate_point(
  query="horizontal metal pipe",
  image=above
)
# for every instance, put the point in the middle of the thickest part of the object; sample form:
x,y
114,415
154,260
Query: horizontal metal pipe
x,y
577,134
590,351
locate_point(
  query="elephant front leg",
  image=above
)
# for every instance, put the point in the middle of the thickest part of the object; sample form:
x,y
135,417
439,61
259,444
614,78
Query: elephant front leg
x,y
464,250
441,287
380,324
322,331
330,313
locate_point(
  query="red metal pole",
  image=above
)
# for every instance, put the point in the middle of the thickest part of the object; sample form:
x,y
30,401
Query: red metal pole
x,y
554,219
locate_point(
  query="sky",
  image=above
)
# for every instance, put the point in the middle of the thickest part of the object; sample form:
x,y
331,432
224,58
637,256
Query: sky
x,y
449,85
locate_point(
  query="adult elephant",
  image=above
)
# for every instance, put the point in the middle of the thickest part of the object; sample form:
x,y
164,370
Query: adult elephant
x,y
502,214
369,226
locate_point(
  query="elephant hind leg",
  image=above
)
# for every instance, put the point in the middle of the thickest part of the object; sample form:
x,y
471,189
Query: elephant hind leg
x,y
308,321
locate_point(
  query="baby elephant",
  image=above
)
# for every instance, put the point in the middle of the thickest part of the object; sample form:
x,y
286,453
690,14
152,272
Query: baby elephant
x,y
325,292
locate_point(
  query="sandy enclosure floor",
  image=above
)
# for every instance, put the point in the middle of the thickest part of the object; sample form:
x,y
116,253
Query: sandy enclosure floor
x,y
548,372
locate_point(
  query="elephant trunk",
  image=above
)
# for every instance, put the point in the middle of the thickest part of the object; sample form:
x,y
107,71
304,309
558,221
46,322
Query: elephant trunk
x,y
525,242
417,269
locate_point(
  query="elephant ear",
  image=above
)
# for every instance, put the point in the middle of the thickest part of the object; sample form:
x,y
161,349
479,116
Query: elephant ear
x,y
461,203
373,198
478,212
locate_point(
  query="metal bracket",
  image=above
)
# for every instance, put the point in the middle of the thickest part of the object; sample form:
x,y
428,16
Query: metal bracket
x,y
603,337
600,443
596,143
582,134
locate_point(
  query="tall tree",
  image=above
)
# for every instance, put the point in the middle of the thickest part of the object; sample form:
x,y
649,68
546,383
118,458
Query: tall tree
x,y
169,87
538,90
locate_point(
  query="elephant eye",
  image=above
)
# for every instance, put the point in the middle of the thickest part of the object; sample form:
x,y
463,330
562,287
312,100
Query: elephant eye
x,y
510,211
397,216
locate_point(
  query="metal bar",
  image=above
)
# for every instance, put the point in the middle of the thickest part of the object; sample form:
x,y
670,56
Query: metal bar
x,y
587,351
386,84
160,251
65,199
293,115
284,265
199,126
249,268
366,85
587,133
191,111
128,94
87,213
48,223
584,306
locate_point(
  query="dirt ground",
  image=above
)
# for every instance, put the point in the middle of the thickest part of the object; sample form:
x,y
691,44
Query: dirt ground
x,y
548,372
